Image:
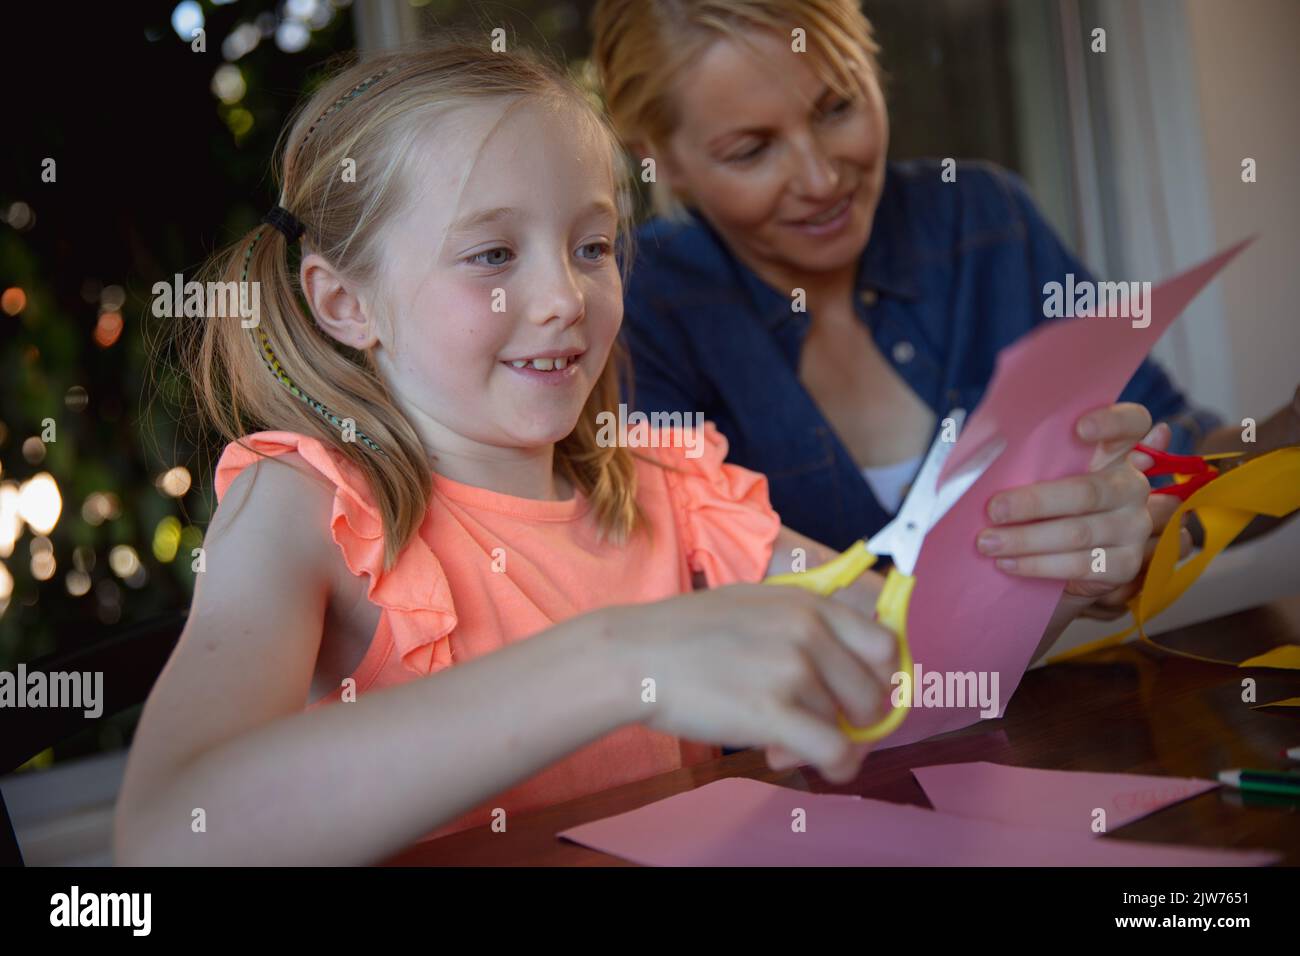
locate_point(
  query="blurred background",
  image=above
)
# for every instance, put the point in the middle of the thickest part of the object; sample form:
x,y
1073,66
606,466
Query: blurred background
x,y
161,154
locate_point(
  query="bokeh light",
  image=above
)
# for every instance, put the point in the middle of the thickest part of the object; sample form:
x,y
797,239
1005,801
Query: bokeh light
x,y
44,565
108,329
39,502
13,300
6,586
33,450
76,398
228,83
11,522
240,121
20,216
167,539
99,507
123,560
112,298
292,36
186,18
77,583
241,41
174,482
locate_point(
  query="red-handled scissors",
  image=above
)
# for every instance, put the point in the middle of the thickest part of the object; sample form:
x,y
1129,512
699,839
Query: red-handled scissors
x,y
1190,472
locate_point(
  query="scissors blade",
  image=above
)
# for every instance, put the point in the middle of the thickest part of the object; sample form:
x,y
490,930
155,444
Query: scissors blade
x,y
926,504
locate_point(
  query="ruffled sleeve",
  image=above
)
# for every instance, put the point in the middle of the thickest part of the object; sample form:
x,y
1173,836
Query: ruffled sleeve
x,y
722,510
414,594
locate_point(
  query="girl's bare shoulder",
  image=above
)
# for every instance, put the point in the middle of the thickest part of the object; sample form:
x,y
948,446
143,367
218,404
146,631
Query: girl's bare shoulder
x,y
278,507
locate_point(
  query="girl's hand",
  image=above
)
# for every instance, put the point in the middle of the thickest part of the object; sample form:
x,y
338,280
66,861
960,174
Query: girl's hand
x,y
760,666
1071,518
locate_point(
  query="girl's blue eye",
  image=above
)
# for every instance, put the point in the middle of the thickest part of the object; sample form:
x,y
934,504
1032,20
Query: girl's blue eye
x,y
597,250
493,257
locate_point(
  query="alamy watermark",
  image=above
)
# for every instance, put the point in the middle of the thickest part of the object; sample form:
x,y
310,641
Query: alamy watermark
x,y
73,689
943,689
667,430
1108,300
75,908
195,300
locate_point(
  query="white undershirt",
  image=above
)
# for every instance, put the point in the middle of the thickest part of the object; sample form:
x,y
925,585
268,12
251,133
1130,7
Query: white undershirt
x,y
889,482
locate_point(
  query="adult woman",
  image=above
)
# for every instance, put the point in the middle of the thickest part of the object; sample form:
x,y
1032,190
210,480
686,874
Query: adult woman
x,y
824,307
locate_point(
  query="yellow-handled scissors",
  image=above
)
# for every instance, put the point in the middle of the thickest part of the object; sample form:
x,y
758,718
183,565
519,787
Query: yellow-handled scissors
x,y
901,539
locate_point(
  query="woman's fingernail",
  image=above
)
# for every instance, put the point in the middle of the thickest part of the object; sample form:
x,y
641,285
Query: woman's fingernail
x,y
1007,564
999,509
989,542
1088,430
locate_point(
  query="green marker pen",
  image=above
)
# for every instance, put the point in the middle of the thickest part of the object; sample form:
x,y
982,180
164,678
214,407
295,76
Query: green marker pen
x,y
1285,782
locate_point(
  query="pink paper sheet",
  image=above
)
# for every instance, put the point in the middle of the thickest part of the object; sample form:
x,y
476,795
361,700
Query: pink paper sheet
x,y
1051,799
742,822
966,615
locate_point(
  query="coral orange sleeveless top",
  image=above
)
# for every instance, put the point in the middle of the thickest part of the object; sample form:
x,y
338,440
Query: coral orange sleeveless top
x,y
488,569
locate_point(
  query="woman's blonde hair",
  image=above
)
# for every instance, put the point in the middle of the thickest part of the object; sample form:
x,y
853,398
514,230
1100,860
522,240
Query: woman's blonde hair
x,y
642,46
286,373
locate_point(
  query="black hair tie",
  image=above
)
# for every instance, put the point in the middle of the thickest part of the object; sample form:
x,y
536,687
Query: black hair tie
x,y
286,222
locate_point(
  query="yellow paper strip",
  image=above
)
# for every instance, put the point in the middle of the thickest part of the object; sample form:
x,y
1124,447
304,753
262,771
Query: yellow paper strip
x,y
1267,485
1289,702
1287,656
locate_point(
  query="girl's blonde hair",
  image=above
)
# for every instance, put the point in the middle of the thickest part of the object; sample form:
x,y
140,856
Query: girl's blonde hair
x,y
286,373
642,46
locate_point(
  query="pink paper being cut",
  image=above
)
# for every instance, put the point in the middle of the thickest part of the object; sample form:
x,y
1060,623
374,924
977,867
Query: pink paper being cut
x,y
1053,799
742,822
966,615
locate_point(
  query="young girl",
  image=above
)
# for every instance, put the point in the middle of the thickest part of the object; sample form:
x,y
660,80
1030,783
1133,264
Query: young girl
x,y
434,593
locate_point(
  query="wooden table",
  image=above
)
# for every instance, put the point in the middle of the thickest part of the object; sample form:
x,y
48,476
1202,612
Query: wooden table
x,y
1130,709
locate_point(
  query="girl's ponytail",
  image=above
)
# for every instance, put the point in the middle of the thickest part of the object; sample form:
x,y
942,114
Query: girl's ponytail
x,y
292,230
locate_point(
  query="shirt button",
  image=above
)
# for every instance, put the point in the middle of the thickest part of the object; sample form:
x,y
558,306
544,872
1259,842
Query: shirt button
x,y
868,296
904,352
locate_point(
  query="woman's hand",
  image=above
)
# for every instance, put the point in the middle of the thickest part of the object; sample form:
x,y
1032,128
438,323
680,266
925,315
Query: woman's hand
x,y
1091,530
760,666
1161,508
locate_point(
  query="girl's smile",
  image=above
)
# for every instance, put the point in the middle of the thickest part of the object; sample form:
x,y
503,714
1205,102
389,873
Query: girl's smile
x,y
553,368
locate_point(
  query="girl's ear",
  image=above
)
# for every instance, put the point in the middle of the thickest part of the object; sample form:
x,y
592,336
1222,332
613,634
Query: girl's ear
x,y
335,304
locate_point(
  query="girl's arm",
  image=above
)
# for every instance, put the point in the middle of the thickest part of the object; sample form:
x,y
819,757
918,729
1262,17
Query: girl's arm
x,y
355,783
224,730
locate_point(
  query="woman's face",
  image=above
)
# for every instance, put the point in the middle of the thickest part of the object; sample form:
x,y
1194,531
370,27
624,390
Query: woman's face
x,y
786,170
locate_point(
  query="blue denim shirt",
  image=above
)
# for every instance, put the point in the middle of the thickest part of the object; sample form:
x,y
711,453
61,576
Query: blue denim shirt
x,y
951,274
